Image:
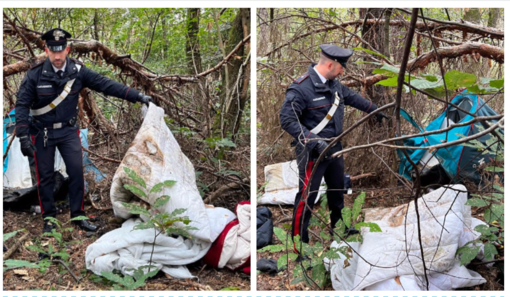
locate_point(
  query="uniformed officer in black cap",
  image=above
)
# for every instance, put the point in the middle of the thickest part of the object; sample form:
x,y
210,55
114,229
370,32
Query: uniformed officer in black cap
x,y
313,111
46,113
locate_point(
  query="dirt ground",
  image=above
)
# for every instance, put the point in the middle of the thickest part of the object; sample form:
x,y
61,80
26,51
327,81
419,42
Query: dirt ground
x,y
375,198
57,278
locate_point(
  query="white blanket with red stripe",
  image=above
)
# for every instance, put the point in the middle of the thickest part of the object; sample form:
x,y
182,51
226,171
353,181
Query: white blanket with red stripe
x,y
232,248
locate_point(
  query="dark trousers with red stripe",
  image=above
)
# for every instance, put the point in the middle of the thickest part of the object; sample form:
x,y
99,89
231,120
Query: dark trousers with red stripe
x,y
332,169
69,147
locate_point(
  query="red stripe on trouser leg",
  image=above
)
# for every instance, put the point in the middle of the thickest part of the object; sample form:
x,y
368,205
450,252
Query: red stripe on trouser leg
x,y
83,197
301,205
297,222
37,175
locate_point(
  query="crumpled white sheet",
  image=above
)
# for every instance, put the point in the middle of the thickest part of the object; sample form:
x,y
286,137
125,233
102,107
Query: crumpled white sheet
x,y
282,184
398,270
156,156
125,249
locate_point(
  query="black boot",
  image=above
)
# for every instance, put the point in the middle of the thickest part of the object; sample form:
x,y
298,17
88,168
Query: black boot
x,y
86,226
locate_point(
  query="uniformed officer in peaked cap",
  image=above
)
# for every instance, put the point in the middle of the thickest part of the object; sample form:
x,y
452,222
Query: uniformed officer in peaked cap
x,y
313,112
49,97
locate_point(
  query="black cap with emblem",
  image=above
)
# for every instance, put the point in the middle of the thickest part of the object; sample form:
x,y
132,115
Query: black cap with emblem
x,y
335,53
56,39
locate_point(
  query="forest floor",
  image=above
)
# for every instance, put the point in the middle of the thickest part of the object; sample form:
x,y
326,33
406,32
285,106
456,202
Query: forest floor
x,y
282,217
56,277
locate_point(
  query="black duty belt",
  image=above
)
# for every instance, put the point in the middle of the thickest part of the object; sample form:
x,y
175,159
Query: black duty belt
x,y
57,125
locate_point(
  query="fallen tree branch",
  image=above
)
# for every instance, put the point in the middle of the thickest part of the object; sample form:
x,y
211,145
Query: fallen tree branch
x,y
31,36
10,143
102,157
191,283
435,25
15,246
231,186
227,58
361,176
432,147
23,38
124,62
485,50
22,66
465,27
395,139
76,279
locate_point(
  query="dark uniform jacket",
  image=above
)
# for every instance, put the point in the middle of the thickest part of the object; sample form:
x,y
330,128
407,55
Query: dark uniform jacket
x,y
307,103
42,85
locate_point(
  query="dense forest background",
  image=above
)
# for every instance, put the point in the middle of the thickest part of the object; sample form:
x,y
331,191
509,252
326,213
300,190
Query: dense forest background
x,y
194,62
466,44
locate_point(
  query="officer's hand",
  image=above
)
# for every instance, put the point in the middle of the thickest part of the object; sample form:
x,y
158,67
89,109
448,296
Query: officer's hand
x,y
27,147
379,116
321,147
145,99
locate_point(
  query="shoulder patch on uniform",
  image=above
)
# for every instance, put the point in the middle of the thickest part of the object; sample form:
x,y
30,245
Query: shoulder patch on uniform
x,y
77,61
302,78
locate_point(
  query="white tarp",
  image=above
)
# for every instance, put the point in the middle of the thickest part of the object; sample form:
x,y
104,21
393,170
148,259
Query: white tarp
x,y
282,183
392,257
156,156
17,175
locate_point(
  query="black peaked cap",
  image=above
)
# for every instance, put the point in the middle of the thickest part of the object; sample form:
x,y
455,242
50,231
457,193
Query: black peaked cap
x,y
338,54
56,39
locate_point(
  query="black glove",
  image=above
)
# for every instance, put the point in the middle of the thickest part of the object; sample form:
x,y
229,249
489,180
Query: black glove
x,y
145,99
321,147
27,147
379,116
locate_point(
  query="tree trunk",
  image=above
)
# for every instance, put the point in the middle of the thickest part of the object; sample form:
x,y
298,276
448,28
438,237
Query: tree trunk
x,y
96,24
264,37
192,41
494,14
386,47
238,80
375,35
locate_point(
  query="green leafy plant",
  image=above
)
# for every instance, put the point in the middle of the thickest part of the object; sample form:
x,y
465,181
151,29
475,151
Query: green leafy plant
x,y
159,221
219,145
317,252
434,84
127,282
493,235
55,251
